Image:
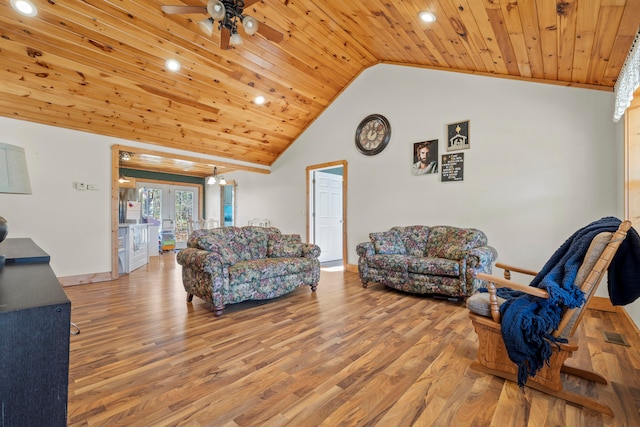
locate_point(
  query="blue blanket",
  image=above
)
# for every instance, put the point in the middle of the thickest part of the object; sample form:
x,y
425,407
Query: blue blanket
x,y
527,321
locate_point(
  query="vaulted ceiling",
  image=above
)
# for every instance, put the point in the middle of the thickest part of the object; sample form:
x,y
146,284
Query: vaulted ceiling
x,y
99,65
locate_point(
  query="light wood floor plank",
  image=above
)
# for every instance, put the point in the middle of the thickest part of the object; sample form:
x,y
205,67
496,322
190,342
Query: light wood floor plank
x,y
342,356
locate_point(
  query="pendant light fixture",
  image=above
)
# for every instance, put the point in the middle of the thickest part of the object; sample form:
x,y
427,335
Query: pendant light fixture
x,y
213,179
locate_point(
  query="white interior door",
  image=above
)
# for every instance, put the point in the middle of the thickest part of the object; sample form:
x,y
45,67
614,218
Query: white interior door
x,y
328,215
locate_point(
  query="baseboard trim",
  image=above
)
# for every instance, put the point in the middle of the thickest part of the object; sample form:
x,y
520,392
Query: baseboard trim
x,y
604,304
352,268
85,279
601,304
623,313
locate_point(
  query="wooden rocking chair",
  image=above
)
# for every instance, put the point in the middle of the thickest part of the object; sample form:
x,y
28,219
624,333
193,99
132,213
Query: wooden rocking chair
x,y
485,317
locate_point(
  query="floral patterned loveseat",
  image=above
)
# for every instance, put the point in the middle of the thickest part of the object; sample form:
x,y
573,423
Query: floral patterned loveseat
x,y
233,264
440,260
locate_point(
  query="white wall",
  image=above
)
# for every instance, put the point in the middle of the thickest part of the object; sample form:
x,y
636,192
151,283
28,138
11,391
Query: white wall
x,y
74,227
544,161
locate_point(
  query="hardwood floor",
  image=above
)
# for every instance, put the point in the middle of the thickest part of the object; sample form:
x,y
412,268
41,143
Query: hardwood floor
x,y
342,356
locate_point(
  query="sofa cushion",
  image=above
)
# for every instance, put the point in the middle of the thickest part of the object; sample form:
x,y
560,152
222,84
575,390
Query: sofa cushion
x,y
450,242
433,266
393,262
256,240
261,269
238,243
479,303
414,238
388,242
284,246
213,243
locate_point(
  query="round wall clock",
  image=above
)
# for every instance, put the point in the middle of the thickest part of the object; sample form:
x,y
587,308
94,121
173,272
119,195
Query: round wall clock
x,y
373,134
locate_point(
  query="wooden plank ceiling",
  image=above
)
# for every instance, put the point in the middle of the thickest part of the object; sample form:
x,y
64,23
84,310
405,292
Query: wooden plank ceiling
x,y
99,65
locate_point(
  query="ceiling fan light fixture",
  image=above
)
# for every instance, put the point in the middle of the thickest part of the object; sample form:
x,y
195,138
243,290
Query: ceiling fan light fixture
x,y
24,7
211,180
250,25
216,9
235,39
206,25
222,180
427,17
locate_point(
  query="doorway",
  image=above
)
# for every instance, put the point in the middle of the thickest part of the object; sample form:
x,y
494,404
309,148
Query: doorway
x,y
632,160
326,219
170,205
228,204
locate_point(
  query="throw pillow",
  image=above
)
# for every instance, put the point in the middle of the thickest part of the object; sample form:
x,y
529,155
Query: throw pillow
x,y
414,238
222,248
388,242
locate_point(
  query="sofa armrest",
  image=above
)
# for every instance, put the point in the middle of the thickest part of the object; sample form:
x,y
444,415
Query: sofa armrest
x,y
310,250
198,259
481,256
365,249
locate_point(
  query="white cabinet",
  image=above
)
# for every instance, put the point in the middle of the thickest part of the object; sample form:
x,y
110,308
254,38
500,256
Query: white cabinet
x,y
133,247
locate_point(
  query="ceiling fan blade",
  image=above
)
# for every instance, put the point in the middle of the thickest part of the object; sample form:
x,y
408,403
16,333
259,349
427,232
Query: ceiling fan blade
x,y
248,3
270,33
225,35
173,10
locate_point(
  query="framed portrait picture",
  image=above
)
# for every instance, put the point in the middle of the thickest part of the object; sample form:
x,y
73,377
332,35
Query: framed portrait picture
x,y
425,157
458,136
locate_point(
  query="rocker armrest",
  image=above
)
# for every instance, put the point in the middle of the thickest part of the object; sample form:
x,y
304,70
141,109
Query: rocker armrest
x,y
509,268
365,249
498,282
495,282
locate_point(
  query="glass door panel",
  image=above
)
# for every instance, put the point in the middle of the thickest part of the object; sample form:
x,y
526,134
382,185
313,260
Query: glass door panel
x,y
151,201
171,207
184,208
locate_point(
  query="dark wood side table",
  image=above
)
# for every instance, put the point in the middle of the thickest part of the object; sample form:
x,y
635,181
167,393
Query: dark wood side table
x,y
35,317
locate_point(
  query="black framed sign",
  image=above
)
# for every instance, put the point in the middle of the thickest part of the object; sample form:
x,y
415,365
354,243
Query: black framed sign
x,y
452,167
373,134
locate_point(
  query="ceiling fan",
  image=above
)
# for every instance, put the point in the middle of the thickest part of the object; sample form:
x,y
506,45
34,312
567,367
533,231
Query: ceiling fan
x,y
227,13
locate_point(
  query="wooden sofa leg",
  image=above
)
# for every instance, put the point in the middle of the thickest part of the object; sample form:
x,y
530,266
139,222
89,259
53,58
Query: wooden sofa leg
x,y
364,284
189,297
314,287
217,310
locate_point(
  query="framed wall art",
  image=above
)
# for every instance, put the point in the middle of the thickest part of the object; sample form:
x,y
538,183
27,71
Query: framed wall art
x,y
425,157
458,136
452,167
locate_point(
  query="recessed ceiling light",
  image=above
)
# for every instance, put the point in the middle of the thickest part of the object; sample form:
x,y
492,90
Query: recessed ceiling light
x,y
24,7
259,100
172,65
427,17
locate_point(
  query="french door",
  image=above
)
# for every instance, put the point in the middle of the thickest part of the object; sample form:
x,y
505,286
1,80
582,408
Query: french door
x,y
170,206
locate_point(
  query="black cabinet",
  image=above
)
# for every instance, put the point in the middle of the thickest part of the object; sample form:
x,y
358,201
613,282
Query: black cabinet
x,y
35,316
